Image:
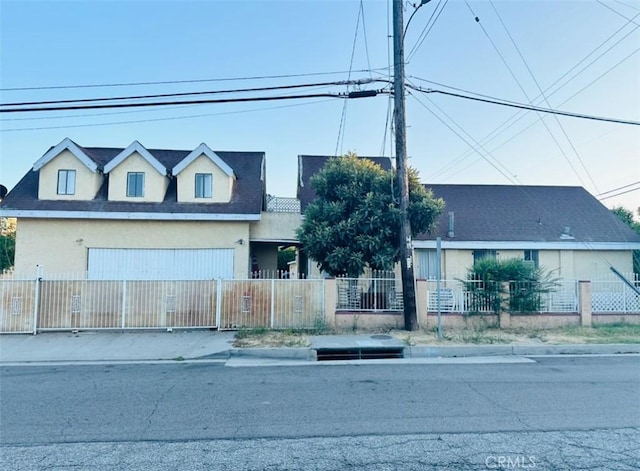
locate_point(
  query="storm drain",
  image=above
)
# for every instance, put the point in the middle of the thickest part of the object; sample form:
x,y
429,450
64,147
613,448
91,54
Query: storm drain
x,y
364,353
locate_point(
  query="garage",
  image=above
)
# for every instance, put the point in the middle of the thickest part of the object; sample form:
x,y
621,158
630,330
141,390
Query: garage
x,y
160,264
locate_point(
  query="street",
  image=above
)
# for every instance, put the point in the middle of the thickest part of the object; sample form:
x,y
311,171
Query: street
x,y
553,413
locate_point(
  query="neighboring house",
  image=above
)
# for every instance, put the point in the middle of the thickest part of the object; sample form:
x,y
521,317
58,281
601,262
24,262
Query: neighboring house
x,y
146,213
563,229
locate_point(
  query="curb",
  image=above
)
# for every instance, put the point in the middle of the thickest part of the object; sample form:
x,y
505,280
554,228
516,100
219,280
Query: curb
x,y
522,350
307,354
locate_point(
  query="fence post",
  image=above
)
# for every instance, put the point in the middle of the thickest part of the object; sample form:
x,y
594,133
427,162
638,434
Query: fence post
x,y
330,293
124,303
36,296
421,301
218,302
273,300
584,298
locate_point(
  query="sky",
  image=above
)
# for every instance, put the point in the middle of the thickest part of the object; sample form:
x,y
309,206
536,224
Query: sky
x,y
580,56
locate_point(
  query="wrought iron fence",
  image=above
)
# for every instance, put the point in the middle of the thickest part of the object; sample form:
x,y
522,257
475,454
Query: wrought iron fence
x,y
610,295
369,294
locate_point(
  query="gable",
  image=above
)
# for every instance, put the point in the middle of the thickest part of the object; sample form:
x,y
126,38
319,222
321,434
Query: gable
x,y
219,183
135,148
199,152
70,146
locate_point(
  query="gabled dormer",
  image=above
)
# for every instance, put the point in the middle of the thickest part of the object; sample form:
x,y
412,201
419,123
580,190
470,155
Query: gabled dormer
x,y
204,177
136,175
66,172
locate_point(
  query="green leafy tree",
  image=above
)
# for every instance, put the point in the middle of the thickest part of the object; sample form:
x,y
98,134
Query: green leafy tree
x,y
355,220
7,250
626,216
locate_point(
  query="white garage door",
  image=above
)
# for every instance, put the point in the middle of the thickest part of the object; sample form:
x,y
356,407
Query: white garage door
x,y
160,264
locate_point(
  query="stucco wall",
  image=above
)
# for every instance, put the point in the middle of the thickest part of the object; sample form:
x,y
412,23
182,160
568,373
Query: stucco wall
x,y
568,264
276,226
87,182
61,246
221,183
155,184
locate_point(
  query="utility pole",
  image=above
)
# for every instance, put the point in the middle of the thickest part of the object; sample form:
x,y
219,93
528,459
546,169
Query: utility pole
x,y
406,250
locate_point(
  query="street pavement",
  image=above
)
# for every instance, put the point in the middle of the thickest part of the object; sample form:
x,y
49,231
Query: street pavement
x,y
201,345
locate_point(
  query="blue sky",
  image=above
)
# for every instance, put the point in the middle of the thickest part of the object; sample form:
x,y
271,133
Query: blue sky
x,y
55,43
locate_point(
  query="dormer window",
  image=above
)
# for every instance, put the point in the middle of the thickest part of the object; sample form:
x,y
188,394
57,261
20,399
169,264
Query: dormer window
x,y
135,184
66,182
203,184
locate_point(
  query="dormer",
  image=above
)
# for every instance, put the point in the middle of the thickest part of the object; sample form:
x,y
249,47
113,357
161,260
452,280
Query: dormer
x,y
136,175
203,177
66,172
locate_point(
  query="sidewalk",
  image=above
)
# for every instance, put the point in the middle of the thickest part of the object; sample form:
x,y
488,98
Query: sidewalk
x,y
94,346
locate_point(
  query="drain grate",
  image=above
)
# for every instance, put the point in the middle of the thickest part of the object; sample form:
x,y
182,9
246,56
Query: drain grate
x,y
369,353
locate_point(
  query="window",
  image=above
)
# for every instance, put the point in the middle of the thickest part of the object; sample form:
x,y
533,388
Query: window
x,y
427,264
480,254
532,256
66,182
135,184
203,185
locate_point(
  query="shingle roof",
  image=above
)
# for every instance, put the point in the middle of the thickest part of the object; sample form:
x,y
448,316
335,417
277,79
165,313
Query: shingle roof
x,y
309,165
526,213
247,197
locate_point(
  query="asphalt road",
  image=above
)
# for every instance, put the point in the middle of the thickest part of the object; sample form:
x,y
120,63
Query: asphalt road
x,y
554,413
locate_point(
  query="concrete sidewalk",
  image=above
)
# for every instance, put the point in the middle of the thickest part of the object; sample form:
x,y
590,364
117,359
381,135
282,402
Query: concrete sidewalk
x,y
91,346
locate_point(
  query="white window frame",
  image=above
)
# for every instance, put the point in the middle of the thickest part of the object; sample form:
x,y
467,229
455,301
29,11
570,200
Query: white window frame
x,y
203,185
66,182
134,194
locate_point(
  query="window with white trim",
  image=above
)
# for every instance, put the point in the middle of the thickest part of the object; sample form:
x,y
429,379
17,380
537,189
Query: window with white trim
x,y
532,256
204,184
135,184
480,254
427,264
66,182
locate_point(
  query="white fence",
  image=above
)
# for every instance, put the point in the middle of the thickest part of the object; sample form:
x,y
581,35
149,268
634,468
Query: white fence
x,y
63,304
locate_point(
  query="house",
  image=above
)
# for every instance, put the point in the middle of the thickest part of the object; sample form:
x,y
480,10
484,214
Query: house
x,y
147,213
564,229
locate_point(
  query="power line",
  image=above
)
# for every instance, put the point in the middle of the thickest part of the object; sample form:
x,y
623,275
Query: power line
x,y
207,92
529,107
169,118
619,194
619,188
427,29
196,102
173,82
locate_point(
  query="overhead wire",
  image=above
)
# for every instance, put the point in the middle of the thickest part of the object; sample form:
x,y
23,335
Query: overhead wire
x,y
619,188
427,29
535,80
173,82
339,139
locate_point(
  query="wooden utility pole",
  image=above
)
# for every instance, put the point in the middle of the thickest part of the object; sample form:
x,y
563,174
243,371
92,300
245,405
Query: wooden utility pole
x,y
406,250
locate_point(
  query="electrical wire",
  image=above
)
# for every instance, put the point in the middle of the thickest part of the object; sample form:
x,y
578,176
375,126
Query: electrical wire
x,y
173,82
207,92
619,194
535,80
189,102
529,107
425,32
619,188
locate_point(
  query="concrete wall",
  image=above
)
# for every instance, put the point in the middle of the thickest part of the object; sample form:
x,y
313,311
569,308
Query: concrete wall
x,y
155,184
87,182
222,184
274,226
61,246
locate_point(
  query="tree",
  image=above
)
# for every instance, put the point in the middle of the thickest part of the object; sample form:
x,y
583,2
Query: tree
x,y
355,220
626,216
7,250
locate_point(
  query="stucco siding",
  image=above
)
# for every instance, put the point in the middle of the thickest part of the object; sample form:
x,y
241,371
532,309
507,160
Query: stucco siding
x,y
87,183
276,226
222,184
155,185
61,246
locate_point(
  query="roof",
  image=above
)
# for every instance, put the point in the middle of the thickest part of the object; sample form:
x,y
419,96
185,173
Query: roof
x,y
309,165
247,198
526,213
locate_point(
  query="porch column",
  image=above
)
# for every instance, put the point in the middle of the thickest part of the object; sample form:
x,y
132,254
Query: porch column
x,y
330,294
